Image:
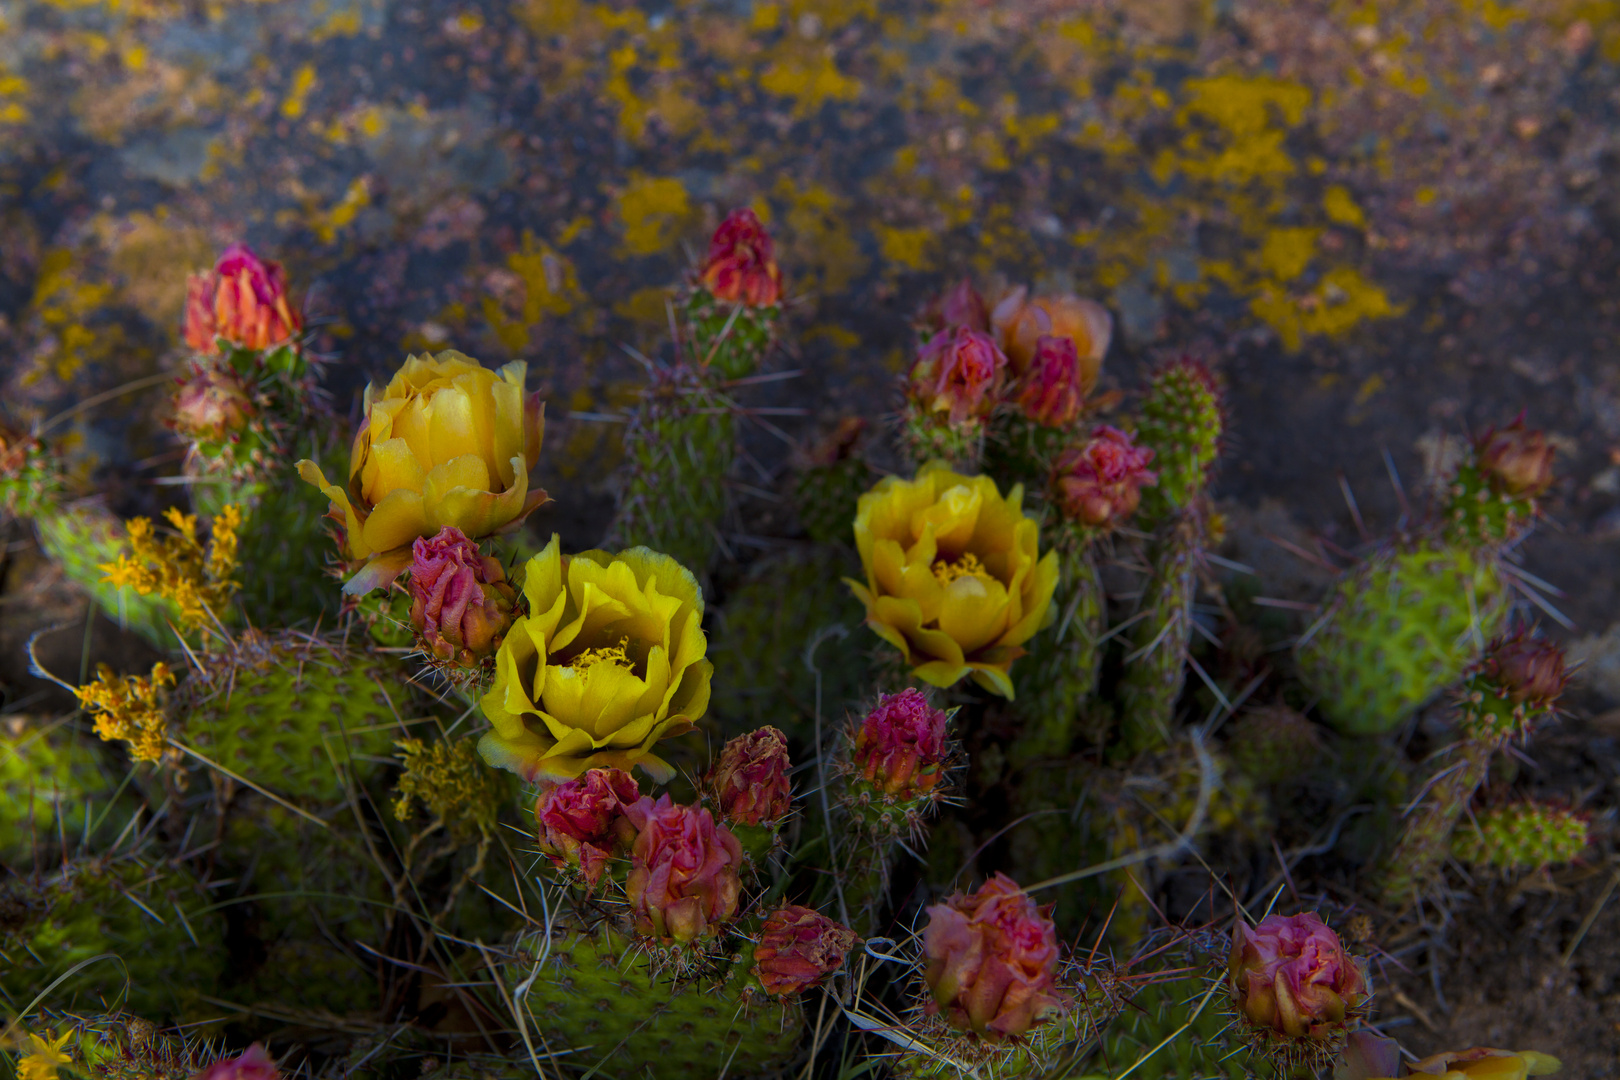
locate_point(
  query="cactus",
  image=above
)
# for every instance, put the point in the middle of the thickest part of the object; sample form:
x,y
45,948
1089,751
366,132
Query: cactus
x,y
1155,1014
679,447
291,713
52,784
1069,655
120,1046
1182,423
156,920
1516,684
731,339
597,993
1405,622
81,538
1520,836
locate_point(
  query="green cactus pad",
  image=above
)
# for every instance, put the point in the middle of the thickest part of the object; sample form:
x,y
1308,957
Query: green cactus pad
x,y
1524,836
1156,1013
1156,667
1068,657
1181,421
1398,629
53,784
80,538
288,712
738,353
1274,744
598,996
155,919
678,450
827,496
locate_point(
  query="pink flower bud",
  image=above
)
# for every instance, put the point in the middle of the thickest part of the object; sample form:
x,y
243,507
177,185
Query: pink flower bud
x,y
959,371
961,306
1526,670
1051,394
900,746
1020,322
243,300
254,1063
1290,975
212,402
683,879
749,780
581,820
798,947
1515,460
992,959
461,604
740,267
1100,484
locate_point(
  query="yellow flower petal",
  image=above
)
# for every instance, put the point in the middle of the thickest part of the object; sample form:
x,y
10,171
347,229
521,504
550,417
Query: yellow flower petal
x,y
396,521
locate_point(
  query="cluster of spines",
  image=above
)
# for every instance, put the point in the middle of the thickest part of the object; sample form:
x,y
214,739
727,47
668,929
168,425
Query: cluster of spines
x,y
1525,836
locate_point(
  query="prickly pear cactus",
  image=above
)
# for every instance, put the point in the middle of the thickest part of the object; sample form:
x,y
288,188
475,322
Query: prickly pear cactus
x,y
678,450
1522,836
80,538
1398,629
53,784
760,643
1182,421
1156,668
1068,655
1155,1015
1273,744
601,996
155,920
731,339
120,1046
827,494
292,713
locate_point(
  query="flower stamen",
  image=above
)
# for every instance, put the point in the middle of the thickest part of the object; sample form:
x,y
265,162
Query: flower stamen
x,y
607,654
967,566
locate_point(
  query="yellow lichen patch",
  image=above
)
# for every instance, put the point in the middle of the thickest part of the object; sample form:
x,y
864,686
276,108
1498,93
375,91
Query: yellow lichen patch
x,y
328,223
910,248
199,580
816,237
1343,300
63,301
292,106
1341,209
13,96
808,76
537,283
130,708
653,210
1286,252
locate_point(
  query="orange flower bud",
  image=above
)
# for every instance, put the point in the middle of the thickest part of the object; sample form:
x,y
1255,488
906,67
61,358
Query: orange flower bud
x,y
740,267
1020,323
1515,460
959,371
798,947
581,821
243,300
1100,484
992,959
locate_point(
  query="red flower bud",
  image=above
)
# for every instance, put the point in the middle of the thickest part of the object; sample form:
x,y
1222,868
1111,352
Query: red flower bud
x,y
798,947
683,879
461,604
1051,394
1515,460
740,267
901,745
959,371
992,959
1526,670
243,300
1021,322
581,820
1100,484
212,402
254,1063
1290,975
749,780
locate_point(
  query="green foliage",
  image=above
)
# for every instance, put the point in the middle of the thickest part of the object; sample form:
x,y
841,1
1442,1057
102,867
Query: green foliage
x,y
53,783
678,449
1399,628
154,918
293,713
1156,1013
79,538
603,997
1156,668
1520,836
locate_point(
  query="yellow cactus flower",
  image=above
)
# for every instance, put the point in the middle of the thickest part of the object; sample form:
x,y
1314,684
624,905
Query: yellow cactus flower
x,y
44,1057
1484,1063
954,577
609,661
446,442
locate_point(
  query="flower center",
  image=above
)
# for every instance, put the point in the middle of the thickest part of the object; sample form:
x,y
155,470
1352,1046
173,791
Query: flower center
x,y
607,654
967,566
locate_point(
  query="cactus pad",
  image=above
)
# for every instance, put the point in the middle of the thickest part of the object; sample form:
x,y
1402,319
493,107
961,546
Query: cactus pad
x,y
1181,421
51,784
1523,836
1399,628
599,995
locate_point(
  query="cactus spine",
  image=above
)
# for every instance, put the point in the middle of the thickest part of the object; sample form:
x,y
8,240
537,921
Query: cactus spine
x,y
1181,421
1069,654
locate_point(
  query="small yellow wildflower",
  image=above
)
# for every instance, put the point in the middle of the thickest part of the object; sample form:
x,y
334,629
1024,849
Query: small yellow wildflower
x,y
198,580
455,786
128,708
44,1057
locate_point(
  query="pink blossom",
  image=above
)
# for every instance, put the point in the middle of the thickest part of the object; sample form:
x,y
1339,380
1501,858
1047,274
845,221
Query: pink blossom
x,y
461,604
992,959
900,746
581,821
683,879
959,371
1100,484
749,780
1290,974
1051,393
798,947
254,1063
